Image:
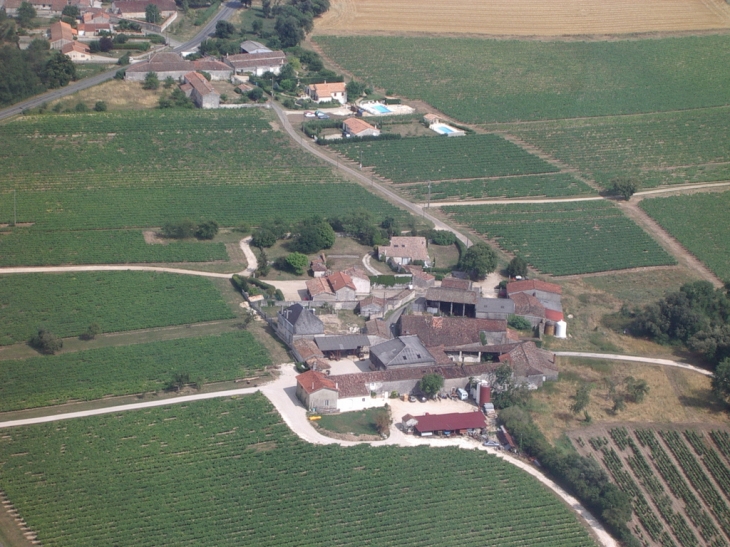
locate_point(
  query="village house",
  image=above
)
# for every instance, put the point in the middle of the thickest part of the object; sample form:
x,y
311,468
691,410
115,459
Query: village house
x,y
335,287
318,266
77,51
296,322
371,306
95,16
548,294
404,351
321,93
531,364
316,391
48,8
173,65
202,93
60,34
421,279
404,250
357,127
360,279
256,63
136,9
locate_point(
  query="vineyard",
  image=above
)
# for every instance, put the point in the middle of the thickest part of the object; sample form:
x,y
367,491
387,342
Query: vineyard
x,y
655,149
481,81
554,185
229,472
700,223
564,238
67,304
433,158
97,373
679,481
142,169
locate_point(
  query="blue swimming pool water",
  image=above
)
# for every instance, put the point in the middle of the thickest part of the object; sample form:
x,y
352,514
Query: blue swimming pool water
x,y
445,129
380,108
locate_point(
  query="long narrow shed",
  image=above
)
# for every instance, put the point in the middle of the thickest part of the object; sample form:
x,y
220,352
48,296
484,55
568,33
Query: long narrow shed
x,y
455,422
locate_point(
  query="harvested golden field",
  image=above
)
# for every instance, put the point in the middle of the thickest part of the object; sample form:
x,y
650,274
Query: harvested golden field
x,y
523,17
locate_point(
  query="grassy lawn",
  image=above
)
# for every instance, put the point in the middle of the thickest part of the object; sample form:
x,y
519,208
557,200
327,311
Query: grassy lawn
x,y
361,422
67,303
97,373
640,288
444,256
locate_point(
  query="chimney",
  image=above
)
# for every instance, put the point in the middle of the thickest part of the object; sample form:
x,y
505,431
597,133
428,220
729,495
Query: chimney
x,y
437,322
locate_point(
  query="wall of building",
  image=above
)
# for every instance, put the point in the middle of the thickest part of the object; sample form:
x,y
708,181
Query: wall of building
x,y
323,399
353,404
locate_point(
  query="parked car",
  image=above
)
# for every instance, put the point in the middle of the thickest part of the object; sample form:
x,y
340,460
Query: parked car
x,y
309,114
322,115
412,399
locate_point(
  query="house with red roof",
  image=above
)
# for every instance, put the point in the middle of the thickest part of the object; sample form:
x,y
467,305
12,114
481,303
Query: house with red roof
x,y
322,93
337,287
404,250
535,299
456,423
317,392
357,127
77,51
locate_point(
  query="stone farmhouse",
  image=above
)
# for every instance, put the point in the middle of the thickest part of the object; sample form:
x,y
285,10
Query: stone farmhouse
x,y
404,250
202,93
174,66
60,34
257,63
357,127
317,391
77,51
421,279
531,364
49,8
135,9
296,322
335,287
360,279
321,93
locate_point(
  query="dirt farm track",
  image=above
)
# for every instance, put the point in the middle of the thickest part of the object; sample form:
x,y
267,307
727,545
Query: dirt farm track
x,y
523,17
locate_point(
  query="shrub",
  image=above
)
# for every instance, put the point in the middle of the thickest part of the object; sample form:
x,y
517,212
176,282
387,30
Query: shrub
x,y
207,230
442,237
519,323
100,106
46,342
179,230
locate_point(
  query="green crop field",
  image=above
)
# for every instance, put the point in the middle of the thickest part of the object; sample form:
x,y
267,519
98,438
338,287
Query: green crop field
x,y
96,373
481,81
229,472
434,158
565,238
84,172
700,223
67,303
554,185
654,149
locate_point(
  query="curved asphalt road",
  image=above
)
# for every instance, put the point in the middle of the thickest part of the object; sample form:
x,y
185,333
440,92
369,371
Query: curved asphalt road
x,y
86,83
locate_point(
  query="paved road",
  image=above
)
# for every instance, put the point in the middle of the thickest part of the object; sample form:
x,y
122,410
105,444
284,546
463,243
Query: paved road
x,y
86,83
634,359
315,150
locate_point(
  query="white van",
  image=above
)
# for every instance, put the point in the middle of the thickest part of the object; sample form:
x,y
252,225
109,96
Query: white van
x,y
462,394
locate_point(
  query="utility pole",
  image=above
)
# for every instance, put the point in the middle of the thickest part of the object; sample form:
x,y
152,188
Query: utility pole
x,y
15,207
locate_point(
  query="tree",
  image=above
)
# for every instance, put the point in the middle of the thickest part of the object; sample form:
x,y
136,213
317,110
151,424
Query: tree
x,y
266,8
263,237
207,230
25,14
58,71
383,420
92,332
169,82
519,323
106,44
179,230
354,89
46,342
636,389
517,266
619,403
431,384
479,260
152,14
255,94
225,30
297,262
581,399
100,106
442,237
721,380
70,11
624,187
506,391
257,26
289,31
315,234
151,81
81,107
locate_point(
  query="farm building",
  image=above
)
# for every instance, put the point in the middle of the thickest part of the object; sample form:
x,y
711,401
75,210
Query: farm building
x,y
60,34
305,350
455,297
357,127
531,364
405,351
371,307
453,331
318,267
317,391
46,8
339,346
297,322
421,279
202,93
430,119
135,9
251,46
256,63
95,16
77,51
93,29
405,250
494,308
174,66
360,279
445,424
335,287
321,93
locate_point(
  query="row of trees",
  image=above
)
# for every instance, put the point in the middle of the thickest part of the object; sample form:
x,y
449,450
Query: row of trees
x,y
186,228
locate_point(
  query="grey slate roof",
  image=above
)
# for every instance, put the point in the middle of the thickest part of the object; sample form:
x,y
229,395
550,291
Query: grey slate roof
x,y
304,321
495,305
402,351
343,342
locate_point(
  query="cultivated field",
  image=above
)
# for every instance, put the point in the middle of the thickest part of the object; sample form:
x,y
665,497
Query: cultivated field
x,y
481,81
564,238
521,17
700,223
97,373
142,169
436,159
678,479
67,304
654,149
552,185
230,472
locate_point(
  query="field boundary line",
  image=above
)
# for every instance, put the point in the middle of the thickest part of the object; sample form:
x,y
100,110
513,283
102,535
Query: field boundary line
x,y
635,359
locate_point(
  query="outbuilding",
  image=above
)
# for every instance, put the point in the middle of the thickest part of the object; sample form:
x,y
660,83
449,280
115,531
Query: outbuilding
x,y
456,423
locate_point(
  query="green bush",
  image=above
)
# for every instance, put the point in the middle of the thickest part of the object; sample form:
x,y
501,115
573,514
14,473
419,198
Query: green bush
x,y
519,323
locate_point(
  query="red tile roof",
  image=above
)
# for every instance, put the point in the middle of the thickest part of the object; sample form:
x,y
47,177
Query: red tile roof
x,y
417,272
318,285
312,381
75,46
448,331
328,89
527,359
61,31
340,280
553,315
307,349
199,83
533,285
455,421
357,125
526,304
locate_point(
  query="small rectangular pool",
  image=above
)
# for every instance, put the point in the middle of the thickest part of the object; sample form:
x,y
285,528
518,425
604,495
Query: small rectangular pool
x,y
381,109
443,129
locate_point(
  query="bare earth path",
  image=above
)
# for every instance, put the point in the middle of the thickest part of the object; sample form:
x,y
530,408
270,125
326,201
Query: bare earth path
x,y
253,264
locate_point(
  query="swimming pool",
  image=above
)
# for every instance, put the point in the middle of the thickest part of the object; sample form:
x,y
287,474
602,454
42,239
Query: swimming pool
x,y
381,109
443,129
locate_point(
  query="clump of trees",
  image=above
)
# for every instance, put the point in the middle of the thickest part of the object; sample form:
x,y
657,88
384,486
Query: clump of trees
x,y
44,341
314,234
431,384
186,228
478,260
294,18
517,267
624,187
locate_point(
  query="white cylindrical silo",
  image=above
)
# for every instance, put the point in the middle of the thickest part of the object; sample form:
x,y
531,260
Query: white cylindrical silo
x,y
561,329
